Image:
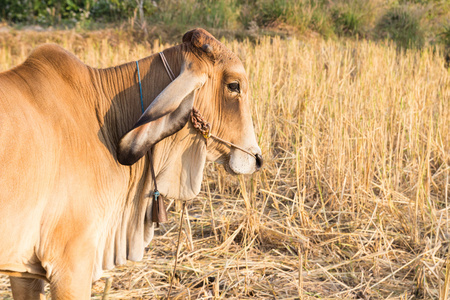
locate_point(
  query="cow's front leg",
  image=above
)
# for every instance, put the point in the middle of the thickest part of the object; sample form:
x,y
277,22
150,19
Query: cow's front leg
x,y
27,288
72,282
70,274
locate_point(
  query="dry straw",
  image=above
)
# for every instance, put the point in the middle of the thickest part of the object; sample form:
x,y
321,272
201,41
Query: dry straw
x,y
353,199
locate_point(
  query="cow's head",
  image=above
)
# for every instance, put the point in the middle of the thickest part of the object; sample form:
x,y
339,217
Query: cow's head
x,y
212,79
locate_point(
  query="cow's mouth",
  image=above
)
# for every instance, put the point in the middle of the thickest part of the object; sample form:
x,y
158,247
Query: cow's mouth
x,y
229,170
224,160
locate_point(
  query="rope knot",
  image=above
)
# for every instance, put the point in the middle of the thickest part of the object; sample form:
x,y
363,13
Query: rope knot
x,y
200,123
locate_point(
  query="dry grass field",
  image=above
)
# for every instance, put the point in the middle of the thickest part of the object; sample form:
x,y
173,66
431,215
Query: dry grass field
x,y
353,200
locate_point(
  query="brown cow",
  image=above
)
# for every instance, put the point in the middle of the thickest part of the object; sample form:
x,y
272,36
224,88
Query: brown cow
x,y
75,183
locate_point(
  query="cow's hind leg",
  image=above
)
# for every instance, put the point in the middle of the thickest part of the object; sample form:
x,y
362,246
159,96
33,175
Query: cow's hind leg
x,y
27,288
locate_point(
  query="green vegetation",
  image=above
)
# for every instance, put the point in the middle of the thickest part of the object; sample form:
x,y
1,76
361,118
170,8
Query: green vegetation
x,y
445,35
402,25
411,24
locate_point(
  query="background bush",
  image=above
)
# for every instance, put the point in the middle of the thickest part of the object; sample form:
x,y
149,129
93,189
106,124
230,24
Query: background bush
x,y
403,25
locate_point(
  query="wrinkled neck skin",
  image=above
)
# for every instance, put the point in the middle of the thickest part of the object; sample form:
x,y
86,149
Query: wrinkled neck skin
x,y
178,160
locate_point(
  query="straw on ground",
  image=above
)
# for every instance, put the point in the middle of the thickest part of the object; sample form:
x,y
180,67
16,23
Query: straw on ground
x,y
352,201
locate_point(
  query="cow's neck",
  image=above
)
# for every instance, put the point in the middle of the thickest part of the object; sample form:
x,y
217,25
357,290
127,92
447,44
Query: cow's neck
x,y
178,160
120,104
121,108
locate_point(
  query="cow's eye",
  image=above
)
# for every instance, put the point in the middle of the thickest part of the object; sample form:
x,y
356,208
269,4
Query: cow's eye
x,y
234,87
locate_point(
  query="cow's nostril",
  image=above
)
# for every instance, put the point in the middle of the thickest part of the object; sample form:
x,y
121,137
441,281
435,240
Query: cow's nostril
x,y
259,161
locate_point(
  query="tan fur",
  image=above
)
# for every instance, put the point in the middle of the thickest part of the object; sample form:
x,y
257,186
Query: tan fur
x,y
68,208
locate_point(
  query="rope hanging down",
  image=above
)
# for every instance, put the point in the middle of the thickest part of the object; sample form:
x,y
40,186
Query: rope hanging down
x,y
159,213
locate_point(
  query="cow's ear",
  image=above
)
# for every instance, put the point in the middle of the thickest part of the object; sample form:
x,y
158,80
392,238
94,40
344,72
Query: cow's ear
x,y
166,115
